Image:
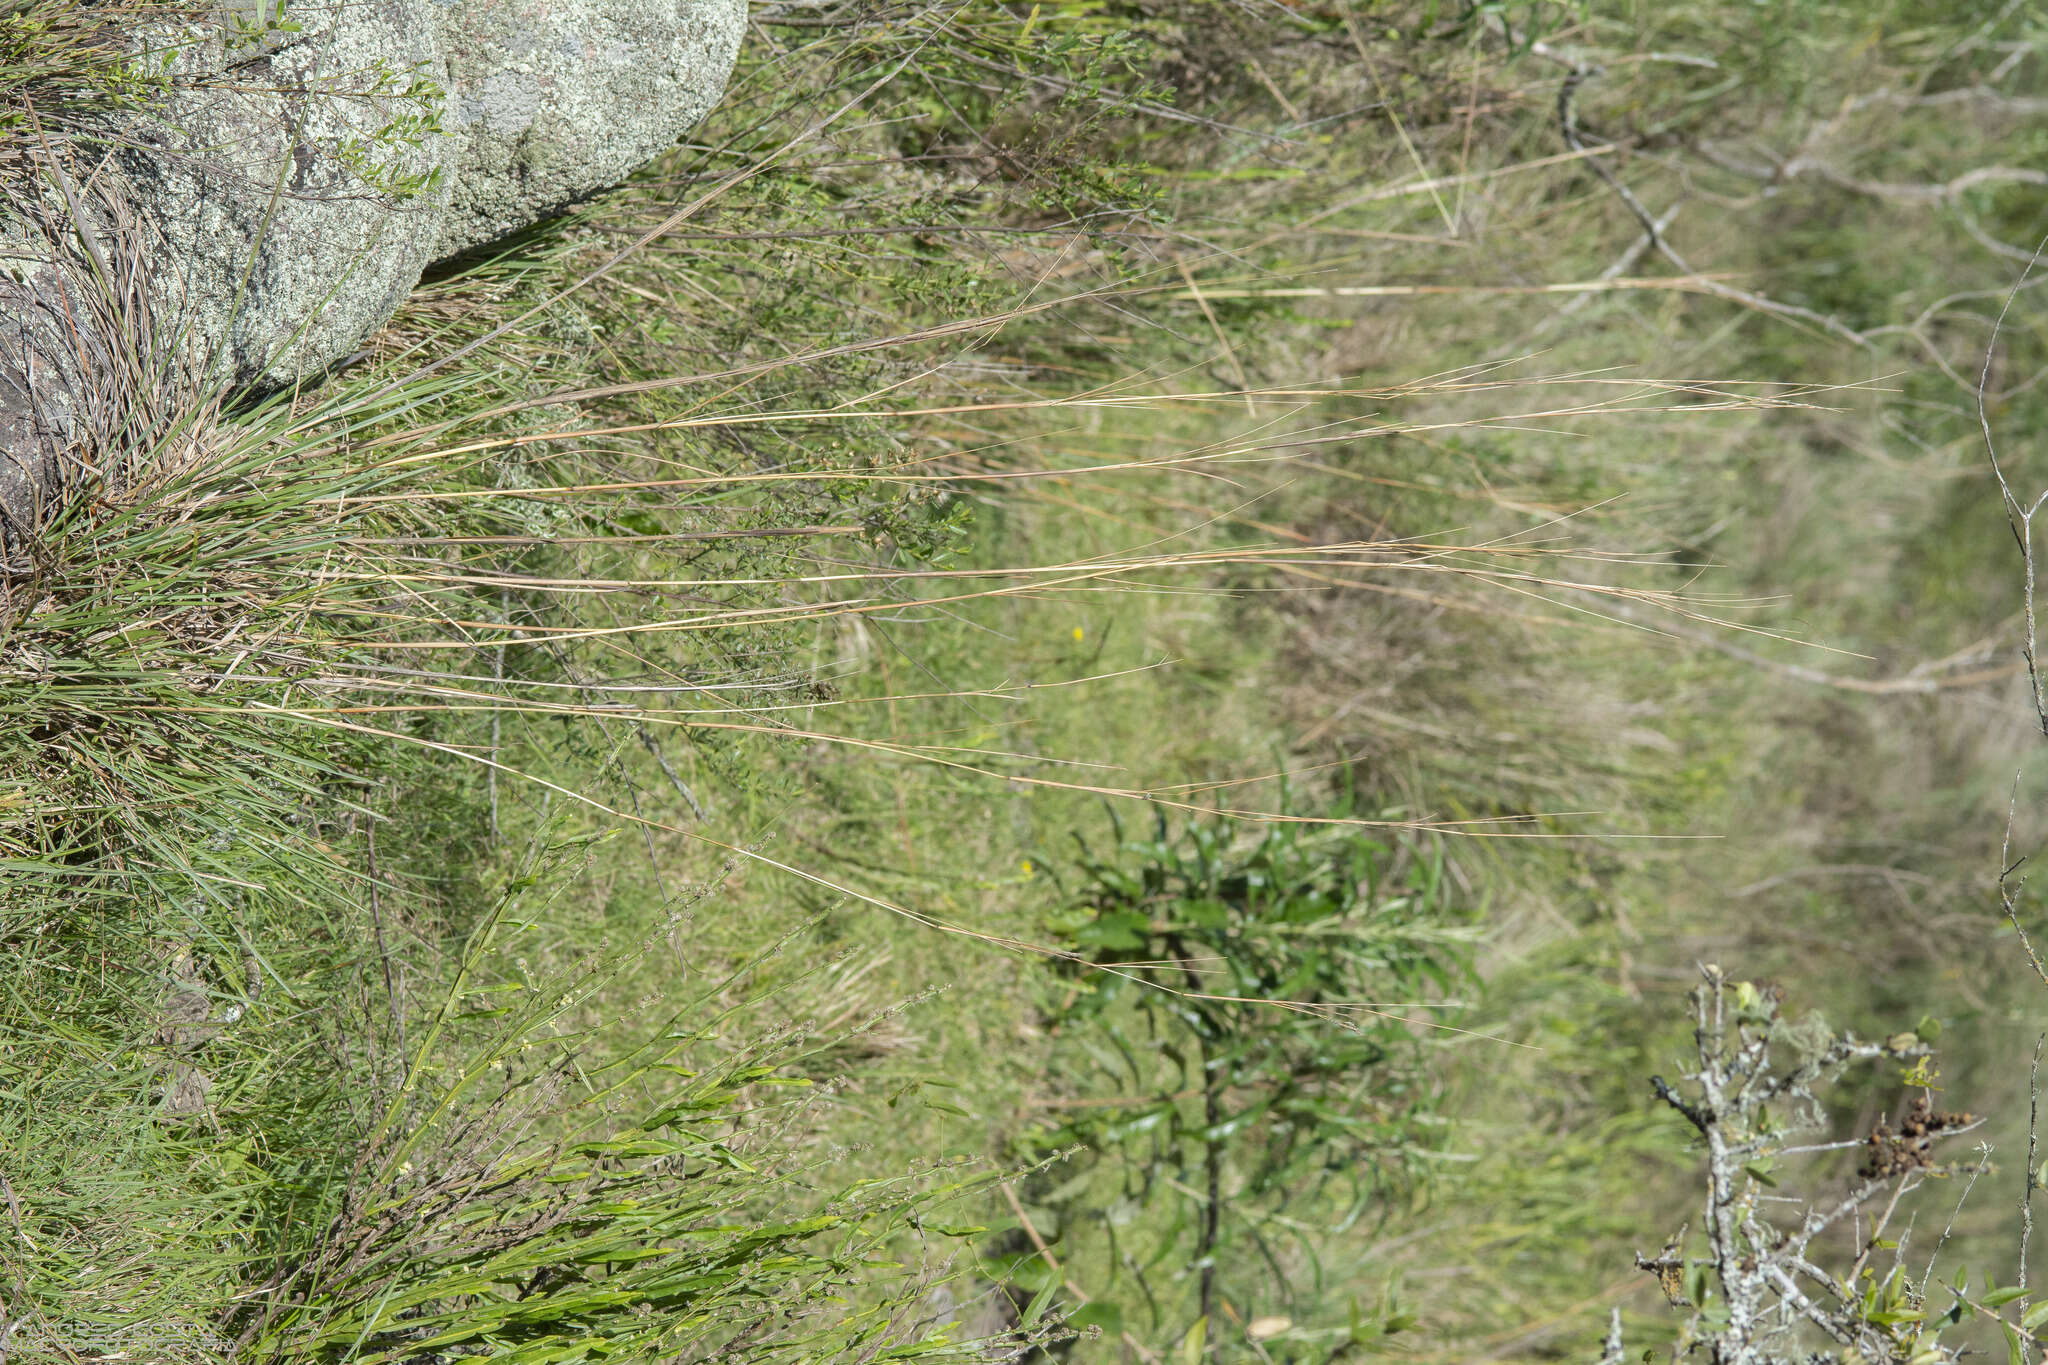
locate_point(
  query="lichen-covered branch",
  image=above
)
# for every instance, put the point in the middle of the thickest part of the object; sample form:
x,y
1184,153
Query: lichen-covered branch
x,y
1757,1286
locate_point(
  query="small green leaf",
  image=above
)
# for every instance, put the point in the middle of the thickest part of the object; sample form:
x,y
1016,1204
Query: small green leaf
x,y
1035,1310
1116,931
1192,1345
1999,1298
2035,1315
724,1156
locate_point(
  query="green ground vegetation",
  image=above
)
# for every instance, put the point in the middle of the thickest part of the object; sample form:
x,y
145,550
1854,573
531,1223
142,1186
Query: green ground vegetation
x,y
724,794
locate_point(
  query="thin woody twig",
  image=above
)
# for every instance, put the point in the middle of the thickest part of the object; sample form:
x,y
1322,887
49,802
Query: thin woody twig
x,y
2008,890
2018,516
2033,1157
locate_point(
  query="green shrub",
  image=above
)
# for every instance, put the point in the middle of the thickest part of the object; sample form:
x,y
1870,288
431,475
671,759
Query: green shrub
x,y
1241,1093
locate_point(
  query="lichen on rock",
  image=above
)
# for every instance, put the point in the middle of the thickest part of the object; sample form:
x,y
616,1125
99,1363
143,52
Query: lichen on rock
x,y
549,99
286,223
298,169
